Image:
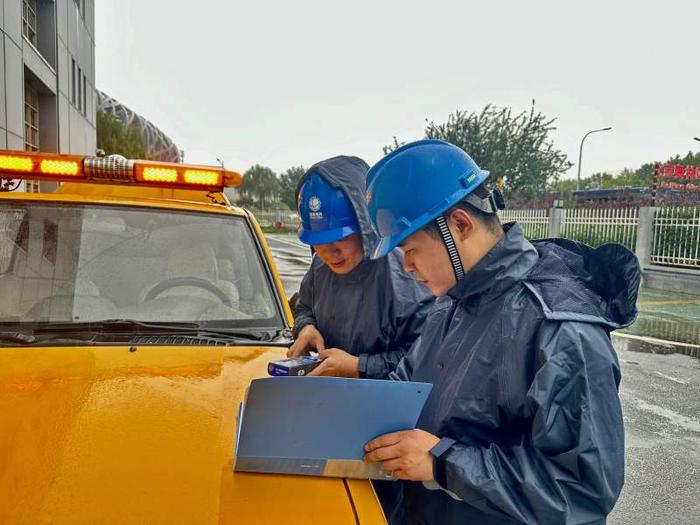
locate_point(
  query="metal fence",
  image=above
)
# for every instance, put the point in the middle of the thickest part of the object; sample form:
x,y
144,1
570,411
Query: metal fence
x,y
677,237
600,226
676,230
287,219
535,222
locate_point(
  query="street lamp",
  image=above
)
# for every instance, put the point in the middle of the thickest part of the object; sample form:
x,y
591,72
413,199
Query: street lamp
x,y
580,153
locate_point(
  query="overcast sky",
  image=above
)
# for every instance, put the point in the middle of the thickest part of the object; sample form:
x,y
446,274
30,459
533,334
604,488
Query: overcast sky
x,y
292,82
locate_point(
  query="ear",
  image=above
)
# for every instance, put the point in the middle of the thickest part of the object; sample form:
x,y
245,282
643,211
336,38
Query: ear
x,y
461,224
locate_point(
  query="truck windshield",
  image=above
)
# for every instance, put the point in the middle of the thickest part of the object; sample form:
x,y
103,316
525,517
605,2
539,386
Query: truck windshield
x,y
66,263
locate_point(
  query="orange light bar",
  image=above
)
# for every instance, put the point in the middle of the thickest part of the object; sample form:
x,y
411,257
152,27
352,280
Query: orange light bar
x,y
115,169
210,178
169,175
151,174
15,163
59,167
30,165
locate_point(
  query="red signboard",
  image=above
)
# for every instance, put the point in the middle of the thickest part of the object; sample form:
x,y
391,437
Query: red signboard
x,y
678,177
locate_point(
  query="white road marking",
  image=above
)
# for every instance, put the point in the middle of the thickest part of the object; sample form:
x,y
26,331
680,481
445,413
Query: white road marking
x,y
687,423
671,378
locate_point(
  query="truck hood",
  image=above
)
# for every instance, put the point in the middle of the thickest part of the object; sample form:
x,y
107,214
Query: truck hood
x,y
119,434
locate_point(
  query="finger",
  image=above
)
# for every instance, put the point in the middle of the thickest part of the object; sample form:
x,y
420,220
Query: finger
x,y
320,370
386,440
316,340
402,474
393,464
298,352
325,354
297,347
383,454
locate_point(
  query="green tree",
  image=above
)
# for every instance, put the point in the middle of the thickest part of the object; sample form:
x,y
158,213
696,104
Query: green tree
x,y
517,146
114,137
288,185
260,184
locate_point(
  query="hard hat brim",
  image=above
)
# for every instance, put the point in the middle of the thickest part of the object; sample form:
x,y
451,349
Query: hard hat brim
x,y
386,244
311,237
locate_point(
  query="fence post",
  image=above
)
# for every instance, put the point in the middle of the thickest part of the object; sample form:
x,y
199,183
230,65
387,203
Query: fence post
x,y
556,216
645,235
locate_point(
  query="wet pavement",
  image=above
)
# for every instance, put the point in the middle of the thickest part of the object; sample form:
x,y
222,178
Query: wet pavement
x,y
660,396
660,393
668,316
292,259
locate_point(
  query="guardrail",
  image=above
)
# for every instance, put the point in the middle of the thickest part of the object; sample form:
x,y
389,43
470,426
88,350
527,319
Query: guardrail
x,y
676,237
596,226
286,218
535,222
675,231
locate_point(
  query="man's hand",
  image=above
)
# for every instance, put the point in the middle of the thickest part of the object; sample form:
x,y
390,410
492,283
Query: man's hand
x,y
336,362
309,337
406,454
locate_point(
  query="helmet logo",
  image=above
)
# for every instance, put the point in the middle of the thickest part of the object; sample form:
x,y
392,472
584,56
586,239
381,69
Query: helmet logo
x,y
314,203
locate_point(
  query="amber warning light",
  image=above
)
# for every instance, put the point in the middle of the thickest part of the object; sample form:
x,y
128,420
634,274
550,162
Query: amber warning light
x,y
115,169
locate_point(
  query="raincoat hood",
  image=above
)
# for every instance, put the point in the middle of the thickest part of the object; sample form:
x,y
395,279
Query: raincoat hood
x,y
571,281
349,174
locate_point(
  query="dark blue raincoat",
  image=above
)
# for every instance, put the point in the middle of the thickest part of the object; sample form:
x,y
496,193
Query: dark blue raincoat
x,y
525,396
377,310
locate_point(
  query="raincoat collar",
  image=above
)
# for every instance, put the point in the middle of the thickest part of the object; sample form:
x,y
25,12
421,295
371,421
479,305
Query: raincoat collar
x,y
507,263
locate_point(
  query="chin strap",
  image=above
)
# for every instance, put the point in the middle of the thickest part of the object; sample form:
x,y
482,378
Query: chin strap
x,y
493,202
449,243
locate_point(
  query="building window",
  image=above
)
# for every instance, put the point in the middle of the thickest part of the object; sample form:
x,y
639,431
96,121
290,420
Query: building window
x,y
73,82
80,90
84,95
29,20
31,118
31,128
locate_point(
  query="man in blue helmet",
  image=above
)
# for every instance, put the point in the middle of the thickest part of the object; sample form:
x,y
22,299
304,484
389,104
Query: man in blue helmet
x,y
523,424
361,315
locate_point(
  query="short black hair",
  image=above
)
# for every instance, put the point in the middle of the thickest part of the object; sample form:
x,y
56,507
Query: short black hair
x,y
490,220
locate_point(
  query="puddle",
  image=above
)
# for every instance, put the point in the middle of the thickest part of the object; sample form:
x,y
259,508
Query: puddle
x,y
653,346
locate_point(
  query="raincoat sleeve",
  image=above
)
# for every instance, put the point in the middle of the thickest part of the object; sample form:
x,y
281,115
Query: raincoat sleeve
x,y
569,467
410,304
404,369
303,312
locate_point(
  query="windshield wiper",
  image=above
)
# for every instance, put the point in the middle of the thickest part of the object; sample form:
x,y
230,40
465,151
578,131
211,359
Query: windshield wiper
x,y
125,326
24,339
17,337
252,335
112,326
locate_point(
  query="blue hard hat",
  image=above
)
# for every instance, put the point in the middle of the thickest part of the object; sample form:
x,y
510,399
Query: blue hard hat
x,y
415,184
326,212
